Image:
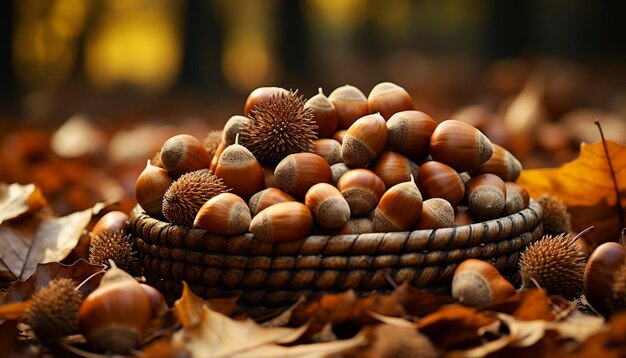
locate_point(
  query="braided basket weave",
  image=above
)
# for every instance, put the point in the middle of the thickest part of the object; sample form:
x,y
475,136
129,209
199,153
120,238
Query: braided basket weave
x,y
270,276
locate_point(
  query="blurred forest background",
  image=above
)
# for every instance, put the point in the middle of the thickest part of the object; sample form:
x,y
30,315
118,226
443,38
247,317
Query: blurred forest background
x,y
89,89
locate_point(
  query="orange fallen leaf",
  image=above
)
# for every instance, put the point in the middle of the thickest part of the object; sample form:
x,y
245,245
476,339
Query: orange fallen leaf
x,y
17,200
586,187
454,326
188,308
14,311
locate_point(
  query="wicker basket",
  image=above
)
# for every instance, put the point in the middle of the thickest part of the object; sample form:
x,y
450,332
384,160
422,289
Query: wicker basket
x,y
272,276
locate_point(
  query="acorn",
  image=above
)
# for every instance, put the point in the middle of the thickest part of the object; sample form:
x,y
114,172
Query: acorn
x,y
436,213
328,149
409,132
185,196
240,171
183,154
339,135
556,219
555,263
438,180
486,196
116,315
111,221
115,246
224,214
298,172
234,126
350,104
338,170
362,189
394,168
150,188
279,126
259,95
388,98
212,141
465,176
282,222
364,141
502,163
604,278
517,198
462,216
53,312
266,198
477,283
216,157
330,209
459,145
324,114
399,208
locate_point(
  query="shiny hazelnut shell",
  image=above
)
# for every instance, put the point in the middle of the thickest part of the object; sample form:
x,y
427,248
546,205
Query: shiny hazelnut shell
x,y
266,198
438,180
350,103
224,214
183,153
399,208
324,114
150,188
517,198
339,135
233,127
365,141
261,94
282,222
330,209
602,266
477,283
240,171
394,168
459,145
436,213
502,163
486,196
296,173
409,133
328,149
362,189
388,98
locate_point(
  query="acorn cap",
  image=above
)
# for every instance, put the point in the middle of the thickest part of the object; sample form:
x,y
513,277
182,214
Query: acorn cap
x,y
556,219
556,263
279,126
185,196
54,310
117,246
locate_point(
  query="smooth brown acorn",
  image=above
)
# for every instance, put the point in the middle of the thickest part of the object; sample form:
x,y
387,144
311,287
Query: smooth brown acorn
x,y
324,114
365,141
350,103
183,153
240,171
459,145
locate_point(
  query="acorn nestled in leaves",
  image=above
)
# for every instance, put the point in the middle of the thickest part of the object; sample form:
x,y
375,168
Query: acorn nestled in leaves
x,y
186,195
279,126
53,313
555,263
117,246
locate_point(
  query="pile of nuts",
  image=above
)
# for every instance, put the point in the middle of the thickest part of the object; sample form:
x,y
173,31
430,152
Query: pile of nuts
x,y
342,164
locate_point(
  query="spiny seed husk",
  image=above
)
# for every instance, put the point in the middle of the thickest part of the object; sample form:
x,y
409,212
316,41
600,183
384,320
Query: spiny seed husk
x,y
54,310
556,263
185,196
619,290
117,246
279,126
556,219
212,141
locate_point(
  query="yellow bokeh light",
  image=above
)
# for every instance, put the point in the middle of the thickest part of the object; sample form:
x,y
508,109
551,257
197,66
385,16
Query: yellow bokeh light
x,y
246,63
338,13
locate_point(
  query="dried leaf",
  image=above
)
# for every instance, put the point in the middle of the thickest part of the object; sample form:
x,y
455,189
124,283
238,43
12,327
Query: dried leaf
x,y
14,311
30,241
188,308
586,187
454,326
526,306
219,336
17,200
418,302
79,271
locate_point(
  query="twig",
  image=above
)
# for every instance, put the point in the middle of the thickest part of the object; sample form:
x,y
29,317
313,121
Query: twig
x,y
620,210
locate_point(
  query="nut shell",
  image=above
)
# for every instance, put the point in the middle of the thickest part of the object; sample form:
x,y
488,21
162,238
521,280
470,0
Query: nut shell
x,y
436,213
362,189
324,113
298,172
409,133
486,196
502,163
338,170
233,127
328,149
459,145
150,188
282,222
477,283
329,207
365,141
388,98
109,222
600,272
438,180
339,135
261,94
266,198
399,209
183,154
240,171
350,103
394,168
517,198
224,214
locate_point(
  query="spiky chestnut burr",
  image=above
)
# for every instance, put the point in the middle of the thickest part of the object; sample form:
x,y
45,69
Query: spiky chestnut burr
x,y
555,263
117,246
185,196
279,126
53,313
556,219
